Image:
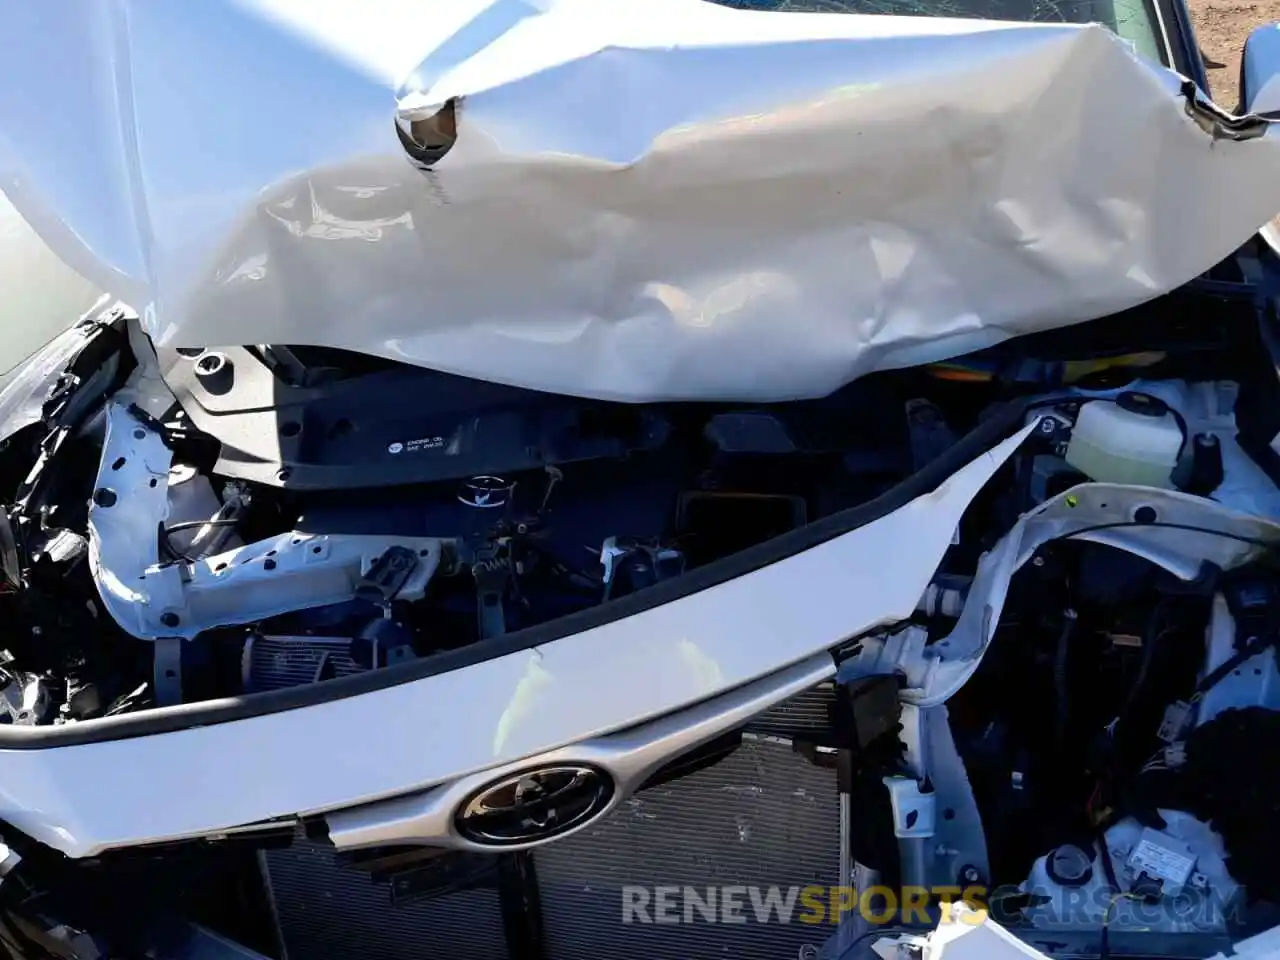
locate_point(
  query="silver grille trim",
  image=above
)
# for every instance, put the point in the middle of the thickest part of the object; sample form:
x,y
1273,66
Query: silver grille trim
x,y
761,816
629,756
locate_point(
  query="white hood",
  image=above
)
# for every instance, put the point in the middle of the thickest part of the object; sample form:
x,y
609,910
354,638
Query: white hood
x,y
647,199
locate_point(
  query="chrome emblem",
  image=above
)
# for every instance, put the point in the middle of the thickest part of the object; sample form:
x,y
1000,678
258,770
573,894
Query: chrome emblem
x,y
534,805
485,492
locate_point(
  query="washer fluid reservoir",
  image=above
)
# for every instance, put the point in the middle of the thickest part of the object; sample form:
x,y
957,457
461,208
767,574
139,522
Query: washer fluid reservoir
x,y
1134,439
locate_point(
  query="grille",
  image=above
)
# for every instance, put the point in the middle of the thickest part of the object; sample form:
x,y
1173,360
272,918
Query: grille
x,y
271,663
804,713
329,912
761,817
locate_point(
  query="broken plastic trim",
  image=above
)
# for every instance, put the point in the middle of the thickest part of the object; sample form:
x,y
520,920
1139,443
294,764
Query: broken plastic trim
x,y
974,444
1219,124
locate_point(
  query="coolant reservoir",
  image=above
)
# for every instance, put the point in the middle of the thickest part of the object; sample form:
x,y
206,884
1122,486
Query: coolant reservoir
x,y
1133,439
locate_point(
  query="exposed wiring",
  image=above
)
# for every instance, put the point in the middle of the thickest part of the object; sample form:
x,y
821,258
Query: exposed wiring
x,y
1154,633
1109,869
1062,710
1150,641
1104,948
1095,814
167,432
1169,757
1251,649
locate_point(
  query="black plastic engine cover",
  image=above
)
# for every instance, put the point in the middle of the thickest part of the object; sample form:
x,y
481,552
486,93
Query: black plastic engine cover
x,y
377,423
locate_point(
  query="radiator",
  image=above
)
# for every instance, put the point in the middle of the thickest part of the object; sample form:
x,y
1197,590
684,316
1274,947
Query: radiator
x,y
762,816
329,912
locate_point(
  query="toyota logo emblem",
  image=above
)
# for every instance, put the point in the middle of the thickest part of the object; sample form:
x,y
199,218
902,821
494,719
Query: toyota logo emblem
x,y
486,493
534,805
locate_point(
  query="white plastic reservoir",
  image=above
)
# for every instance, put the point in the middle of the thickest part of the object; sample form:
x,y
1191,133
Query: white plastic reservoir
x,y
1134,438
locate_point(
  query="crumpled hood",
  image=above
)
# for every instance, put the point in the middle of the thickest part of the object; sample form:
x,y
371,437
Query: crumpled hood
x,y
646,200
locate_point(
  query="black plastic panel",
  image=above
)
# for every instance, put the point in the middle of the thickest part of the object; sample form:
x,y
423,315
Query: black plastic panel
x,y
380,425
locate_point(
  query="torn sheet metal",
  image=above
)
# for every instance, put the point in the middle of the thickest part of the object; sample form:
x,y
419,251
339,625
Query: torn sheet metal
x,y
647,199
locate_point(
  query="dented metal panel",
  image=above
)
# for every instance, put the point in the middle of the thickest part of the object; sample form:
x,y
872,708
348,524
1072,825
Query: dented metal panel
x,y
646,199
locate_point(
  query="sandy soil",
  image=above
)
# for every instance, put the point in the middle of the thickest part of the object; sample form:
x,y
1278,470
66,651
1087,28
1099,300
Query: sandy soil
x,y
1221,26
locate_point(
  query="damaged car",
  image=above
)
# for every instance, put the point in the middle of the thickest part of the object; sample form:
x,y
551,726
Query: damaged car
x,y
639,478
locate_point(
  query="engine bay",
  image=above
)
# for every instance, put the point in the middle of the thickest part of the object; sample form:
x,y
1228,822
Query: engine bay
x,y
1117,739
197,523
1073,728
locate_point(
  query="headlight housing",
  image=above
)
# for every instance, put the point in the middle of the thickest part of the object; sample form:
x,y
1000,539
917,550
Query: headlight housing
x,y
29,383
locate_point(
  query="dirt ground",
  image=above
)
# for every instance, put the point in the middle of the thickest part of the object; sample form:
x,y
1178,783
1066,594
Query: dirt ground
x,y
1221,27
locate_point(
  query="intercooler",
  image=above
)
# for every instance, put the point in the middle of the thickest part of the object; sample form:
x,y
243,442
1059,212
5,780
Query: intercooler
x,y
760,818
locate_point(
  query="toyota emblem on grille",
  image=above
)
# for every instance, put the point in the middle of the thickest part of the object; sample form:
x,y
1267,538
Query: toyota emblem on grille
x,y
534,805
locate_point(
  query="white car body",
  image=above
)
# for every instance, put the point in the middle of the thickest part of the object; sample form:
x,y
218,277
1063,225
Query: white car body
x,y
643,203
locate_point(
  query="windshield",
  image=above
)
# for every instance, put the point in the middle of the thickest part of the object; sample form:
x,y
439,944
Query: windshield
x,y
1131,19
